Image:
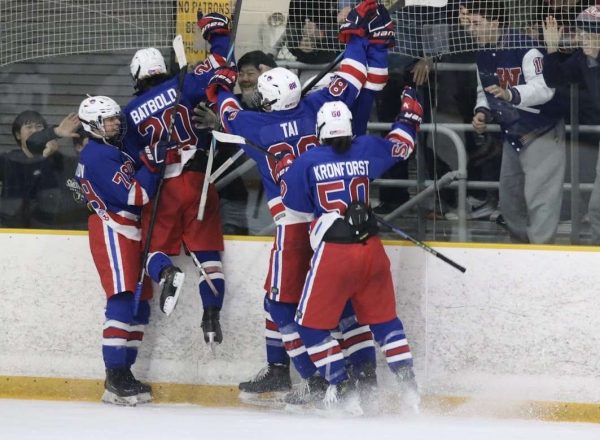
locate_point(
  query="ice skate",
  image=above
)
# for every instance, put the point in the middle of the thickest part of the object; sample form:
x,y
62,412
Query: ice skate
x,y
366,384
212,327
306,395
268,387
118,389
171,282
144,390
410,397
341,400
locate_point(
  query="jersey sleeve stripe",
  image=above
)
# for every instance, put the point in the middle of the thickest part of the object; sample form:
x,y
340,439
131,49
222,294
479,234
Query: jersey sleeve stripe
x,y
397,134
376,78
354,72
216,60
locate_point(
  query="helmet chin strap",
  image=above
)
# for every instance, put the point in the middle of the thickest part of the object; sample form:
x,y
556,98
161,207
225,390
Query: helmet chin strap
x,y
265,104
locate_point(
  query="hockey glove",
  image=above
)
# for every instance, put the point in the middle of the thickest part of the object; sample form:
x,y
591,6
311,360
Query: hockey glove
x,y
381,29
212,24
224,78
154,155
357,20
282,165
411,110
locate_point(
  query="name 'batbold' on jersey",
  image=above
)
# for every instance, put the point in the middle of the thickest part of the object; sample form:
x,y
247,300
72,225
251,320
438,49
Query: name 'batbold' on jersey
x,y
153,105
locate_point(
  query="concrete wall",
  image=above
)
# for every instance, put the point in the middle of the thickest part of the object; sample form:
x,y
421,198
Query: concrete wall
x,y
521,323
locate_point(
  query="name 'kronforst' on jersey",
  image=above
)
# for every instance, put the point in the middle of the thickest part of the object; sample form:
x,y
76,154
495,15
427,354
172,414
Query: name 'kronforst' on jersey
x,y
323,181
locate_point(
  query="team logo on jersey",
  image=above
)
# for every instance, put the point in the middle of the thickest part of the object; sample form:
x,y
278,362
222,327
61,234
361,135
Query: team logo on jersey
x,y
232,115
401,149
508,76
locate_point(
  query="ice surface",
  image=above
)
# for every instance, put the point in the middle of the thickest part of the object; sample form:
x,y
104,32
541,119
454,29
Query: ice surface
x,y
28,420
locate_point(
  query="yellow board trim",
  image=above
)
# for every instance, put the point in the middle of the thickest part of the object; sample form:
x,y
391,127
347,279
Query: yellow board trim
x,y
434,244
90,390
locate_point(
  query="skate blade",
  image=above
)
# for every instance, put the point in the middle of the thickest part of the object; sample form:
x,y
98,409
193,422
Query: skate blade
x,y
144,398
111,398
212,345
273,400
171,301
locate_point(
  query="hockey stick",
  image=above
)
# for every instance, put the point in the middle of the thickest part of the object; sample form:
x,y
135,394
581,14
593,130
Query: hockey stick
x,y
322,73
213,142
235,139
202,271
182,61
419,243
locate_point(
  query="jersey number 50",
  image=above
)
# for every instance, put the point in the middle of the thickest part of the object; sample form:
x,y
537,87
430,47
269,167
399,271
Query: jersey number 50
x,y
335,196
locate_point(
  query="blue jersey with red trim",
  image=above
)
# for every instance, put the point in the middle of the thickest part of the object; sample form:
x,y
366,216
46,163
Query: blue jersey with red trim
x,y
149,115
292,131
323,181
114,188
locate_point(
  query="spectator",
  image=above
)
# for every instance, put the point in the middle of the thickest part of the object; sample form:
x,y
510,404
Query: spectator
x,y
30,181
512,92
312,30
234,197
582,67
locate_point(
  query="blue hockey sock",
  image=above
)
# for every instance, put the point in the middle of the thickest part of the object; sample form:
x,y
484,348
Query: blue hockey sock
x,y
157,261
211,263
137,333
122,334
357,341
276,353
392,340
283,316
325,352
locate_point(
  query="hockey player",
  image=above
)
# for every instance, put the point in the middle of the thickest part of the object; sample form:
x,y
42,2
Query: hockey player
x,y
148,117
116,191
288,127
329,187
512,92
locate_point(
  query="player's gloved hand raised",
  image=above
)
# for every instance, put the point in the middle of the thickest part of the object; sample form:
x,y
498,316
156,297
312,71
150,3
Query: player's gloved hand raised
x,y
212,24
282,165
154,155
224,78
381,29
357,20
411,110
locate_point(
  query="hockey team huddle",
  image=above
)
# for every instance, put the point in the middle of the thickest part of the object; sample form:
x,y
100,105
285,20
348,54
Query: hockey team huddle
x,y
329,294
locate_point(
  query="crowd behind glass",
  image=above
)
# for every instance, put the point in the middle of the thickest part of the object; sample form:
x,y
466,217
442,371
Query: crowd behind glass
x,y
37,189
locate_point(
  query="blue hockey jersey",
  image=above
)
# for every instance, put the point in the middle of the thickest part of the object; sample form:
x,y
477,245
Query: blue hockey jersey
x,y
114,188
149,115
323,181
535,110
292,131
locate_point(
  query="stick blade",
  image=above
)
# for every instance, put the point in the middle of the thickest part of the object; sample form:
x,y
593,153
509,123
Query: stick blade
x,y
228,138
179,51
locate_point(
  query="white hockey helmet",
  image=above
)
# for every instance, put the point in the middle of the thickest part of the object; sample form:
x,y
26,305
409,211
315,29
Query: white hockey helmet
x,y
321,84
146,63
334,119
279,88
93,110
